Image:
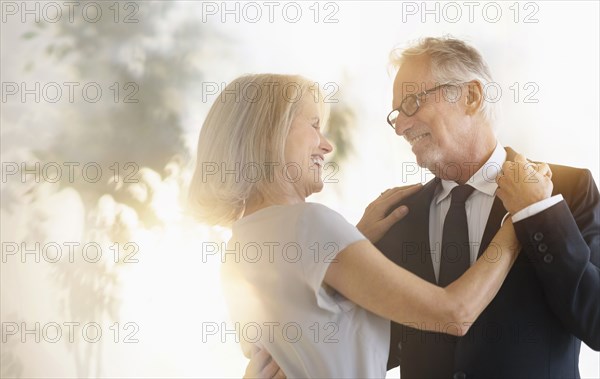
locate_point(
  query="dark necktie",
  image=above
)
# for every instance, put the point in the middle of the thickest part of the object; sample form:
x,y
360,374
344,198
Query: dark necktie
x,y
455,257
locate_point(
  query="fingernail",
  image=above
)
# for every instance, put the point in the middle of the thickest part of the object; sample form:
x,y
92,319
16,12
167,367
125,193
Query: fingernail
x,y
402,210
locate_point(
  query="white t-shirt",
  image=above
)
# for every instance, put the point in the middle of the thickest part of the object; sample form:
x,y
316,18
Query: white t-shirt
x,y
273,274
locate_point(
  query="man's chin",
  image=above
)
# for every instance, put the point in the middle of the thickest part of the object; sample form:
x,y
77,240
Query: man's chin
x,y
317,187
424,161
429,162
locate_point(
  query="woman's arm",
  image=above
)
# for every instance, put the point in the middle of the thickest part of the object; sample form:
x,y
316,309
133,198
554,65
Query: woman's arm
x,y
364,275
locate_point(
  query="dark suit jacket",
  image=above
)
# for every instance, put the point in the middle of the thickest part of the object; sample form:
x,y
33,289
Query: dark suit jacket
x,y
548,304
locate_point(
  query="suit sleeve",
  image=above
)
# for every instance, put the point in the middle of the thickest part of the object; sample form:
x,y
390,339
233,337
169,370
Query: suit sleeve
x,y
563,244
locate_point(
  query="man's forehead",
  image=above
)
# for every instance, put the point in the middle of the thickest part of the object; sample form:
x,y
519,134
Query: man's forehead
x,y
405,87
413,76
413,85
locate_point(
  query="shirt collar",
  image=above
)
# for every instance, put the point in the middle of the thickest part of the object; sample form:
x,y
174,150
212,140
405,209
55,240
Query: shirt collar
x,y
484,180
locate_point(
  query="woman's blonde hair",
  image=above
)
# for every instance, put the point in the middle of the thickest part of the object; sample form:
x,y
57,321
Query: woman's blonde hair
x,y
241,144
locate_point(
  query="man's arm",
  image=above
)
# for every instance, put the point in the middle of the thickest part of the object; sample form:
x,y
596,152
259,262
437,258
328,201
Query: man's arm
x,y
563,245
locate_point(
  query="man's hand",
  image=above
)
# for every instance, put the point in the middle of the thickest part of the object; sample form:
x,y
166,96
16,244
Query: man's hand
x,y
376,221
522,183
262,365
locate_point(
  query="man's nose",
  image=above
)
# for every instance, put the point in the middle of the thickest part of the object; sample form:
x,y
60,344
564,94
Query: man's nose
x,y
402,124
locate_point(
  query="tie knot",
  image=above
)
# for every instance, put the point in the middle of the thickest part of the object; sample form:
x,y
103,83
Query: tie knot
x,y
461,192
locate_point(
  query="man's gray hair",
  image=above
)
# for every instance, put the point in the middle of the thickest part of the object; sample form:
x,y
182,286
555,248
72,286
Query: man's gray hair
x,y
452,61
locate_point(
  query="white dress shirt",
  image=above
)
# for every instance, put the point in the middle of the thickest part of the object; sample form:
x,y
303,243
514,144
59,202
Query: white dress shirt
x,y
478,207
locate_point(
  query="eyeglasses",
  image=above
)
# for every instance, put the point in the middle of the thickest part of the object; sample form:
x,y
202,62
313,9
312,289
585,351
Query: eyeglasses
x,y
411,104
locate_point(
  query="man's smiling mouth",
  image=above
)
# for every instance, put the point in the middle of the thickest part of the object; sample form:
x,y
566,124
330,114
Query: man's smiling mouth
x,y
414,140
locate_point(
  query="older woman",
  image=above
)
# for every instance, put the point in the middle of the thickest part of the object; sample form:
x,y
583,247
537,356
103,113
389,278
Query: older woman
x,y
302,283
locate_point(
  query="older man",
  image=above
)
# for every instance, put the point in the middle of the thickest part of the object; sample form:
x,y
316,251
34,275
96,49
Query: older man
x,y
550,301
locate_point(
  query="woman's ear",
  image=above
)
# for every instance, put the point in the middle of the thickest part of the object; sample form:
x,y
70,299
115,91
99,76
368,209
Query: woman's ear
x,y
474,98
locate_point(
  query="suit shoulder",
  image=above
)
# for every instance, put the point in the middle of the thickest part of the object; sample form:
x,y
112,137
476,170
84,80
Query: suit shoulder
x,y
570,177
568,170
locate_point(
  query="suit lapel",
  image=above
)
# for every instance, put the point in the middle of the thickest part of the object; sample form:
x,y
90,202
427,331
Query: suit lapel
x,y
493,224
496,214
407,243
417,232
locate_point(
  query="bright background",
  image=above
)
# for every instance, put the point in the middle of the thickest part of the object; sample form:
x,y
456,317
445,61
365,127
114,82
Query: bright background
x,y
174,54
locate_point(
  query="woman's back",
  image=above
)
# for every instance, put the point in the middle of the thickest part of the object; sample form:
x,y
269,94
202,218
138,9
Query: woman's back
x,y
273,273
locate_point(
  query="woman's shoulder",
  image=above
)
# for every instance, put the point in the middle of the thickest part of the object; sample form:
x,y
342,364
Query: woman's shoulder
x,y
304,218
316,208
316,212
315,220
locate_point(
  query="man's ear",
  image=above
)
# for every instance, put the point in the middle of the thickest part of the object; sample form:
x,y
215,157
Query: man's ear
x,y
474,99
